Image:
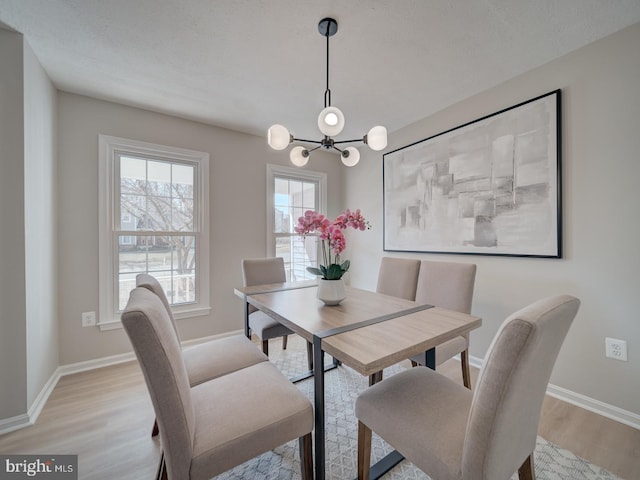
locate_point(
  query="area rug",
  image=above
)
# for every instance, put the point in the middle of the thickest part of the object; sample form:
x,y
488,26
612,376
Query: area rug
x,y
342,386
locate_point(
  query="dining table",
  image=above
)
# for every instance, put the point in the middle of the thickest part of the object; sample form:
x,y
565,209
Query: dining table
x,y
367,331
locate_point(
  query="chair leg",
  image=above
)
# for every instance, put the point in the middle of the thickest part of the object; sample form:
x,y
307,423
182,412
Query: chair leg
x,y
265,347
364,451
284,342
306,456
464,362
310,356
162,469
375,378
155,429
526,471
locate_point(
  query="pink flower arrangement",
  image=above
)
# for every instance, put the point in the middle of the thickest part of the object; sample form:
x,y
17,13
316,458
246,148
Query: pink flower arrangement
x,y
332,239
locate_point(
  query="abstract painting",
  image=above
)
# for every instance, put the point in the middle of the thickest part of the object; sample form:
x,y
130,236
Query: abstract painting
x,y
491,186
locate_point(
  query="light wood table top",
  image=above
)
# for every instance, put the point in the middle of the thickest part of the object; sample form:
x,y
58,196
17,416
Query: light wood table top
x,y
273,287
366,349
372,348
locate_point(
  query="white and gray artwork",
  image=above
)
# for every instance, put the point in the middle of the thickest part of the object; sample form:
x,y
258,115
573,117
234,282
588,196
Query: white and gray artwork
x,y
488,187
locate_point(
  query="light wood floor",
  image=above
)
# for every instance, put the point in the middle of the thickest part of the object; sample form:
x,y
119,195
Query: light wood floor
x,y
105,416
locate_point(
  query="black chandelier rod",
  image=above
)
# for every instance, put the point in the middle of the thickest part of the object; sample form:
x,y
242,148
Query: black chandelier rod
x,y
349,141
327,92
355,140
306,141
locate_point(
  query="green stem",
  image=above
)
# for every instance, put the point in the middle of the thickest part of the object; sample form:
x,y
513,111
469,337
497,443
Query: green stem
x,y
324,253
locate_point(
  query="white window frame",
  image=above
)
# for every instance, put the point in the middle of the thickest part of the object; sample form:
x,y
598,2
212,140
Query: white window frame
x,y
274,171
109,148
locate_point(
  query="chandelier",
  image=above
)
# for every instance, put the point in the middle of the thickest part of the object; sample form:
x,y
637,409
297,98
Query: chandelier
x,y
330,123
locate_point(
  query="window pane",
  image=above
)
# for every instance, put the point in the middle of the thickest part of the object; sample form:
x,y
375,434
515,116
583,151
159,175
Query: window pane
x,y
182,214
283,247
158,215
170,259
296,214
281,187
281,218
309,196
184,287
159,178
159,255
132,254
184,253
182,181
156,195
133,176
132,211
295,193
126,283
292,197
298,254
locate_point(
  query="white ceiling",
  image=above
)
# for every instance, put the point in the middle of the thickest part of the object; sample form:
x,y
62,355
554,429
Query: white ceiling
x,y
246,64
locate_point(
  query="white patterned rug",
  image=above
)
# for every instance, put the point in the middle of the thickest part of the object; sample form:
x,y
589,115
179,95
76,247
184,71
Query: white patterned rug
x,y
342,386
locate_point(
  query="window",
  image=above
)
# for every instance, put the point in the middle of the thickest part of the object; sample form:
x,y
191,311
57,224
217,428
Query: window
x,y
154,215
290,192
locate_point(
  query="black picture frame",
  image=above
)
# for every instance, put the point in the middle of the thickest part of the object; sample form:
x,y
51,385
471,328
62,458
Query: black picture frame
x,y
491,186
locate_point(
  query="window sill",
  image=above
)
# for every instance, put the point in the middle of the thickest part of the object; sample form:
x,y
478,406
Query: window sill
x,y
115,324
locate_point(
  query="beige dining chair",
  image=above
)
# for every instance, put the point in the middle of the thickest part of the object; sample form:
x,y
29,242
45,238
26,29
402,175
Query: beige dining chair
x,y
211,359
448,285
218,424
452,433
398,277
261,271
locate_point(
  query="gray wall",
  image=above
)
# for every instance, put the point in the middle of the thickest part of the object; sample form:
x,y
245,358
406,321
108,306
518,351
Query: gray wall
x,y
28,284
40,217
13,379
601,170
237,213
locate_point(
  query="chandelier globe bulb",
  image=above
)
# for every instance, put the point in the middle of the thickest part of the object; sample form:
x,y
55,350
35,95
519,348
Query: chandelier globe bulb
x,y
299,156
350,156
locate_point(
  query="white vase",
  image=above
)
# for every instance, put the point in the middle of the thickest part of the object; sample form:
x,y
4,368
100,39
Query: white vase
x,y
331,292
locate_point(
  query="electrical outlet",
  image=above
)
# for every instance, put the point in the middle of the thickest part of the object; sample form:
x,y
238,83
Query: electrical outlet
x,y
88,319
616,349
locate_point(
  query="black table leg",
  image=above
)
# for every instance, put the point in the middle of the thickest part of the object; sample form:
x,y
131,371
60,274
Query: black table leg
x,y
318,387
430,358
309,373
247,333
383,466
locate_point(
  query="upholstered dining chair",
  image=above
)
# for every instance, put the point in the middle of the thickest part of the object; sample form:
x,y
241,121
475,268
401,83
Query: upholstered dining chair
x,y
452,433
207,360
398,277
218,424
448,285
260,271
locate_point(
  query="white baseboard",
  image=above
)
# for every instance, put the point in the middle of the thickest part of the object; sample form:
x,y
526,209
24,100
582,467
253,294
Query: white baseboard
x,y
596,406
127,357
14,423
25,420
197,341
